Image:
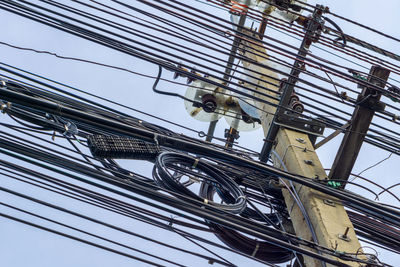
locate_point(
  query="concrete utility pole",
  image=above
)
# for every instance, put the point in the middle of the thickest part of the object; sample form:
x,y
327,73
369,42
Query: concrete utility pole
x,y
294,152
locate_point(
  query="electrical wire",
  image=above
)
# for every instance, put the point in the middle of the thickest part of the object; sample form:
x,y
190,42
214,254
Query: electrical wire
x,y
78,239
92,174
90,234
131,132
229,191
163,138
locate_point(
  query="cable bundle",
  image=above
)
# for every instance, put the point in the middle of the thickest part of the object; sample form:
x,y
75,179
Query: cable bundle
x,y
261,250
227,189
203,45
214,181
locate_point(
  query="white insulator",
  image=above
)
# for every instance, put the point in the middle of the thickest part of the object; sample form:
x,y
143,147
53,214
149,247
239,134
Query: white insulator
x,y
240,120
198,91
247,103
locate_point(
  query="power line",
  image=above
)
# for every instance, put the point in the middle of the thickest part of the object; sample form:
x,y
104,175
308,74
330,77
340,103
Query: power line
x,y
79,239
29,106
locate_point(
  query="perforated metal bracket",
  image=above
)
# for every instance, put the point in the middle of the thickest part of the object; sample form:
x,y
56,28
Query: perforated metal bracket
x,y
306,126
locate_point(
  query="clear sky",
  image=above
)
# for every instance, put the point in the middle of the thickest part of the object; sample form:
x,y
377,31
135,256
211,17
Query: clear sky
x,y
25,246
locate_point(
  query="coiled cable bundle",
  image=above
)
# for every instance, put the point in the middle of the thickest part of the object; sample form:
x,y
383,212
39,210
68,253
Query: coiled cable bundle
x,y
168,164
168,171
259,249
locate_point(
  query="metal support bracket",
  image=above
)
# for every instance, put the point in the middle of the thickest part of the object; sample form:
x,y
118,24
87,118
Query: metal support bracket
x,y
231,59
313,31
371,102
311,127
363,114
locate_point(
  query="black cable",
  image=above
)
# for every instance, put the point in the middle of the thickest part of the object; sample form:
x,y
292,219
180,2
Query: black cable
x,y
229,191
261,250
240,58
130,215
93,95
386,129
165,227
208,215
166,140
11,137
79,239
198,11
90,234
166,93
287,28
164,60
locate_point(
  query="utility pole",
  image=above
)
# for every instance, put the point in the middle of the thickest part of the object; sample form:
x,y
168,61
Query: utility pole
x,y
367,103
315,216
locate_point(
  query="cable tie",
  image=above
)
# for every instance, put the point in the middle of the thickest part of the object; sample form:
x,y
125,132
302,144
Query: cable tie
x,y
255,249
171,221
5,106
242,196
59,109
156,139
196,161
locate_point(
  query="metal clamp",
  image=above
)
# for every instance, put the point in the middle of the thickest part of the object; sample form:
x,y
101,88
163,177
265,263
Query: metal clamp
x,y
312,127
